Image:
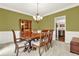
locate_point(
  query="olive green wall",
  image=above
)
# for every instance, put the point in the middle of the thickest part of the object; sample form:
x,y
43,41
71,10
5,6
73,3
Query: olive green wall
x,y
10,20
72,19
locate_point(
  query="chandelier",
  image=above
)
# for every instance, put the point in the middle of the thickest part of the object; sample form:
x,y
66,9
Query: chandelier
x,y
37,17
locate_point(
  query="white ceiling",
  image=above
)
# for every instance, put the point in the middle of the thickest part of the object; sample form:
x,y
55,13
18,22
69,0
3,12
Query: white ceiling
x,y
43,8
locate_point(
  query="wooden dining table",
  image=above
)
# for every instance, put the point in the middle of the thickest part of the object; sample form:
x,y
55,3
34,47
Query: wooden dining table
x,y
33,37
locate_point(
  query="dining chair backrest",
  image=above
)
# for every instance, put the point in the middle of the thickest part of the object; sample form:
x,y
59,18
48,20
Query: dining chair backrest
x,y
50,35
45,38
14,37
46,32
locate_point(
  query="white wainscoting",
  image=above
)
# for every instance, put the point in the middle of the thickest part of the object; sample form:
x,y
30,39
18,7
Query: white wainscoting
x,y
70,34
53,35
7,36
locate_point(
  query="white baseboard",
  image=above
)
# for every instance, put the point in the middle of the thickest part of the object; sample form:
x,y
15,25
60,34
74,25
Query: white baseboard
x,y
7,36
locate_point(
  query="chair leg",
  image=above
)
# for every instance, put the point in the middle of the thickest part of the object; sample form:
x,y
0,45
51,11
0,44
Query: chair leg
x,y
29,49
26,48
29,46
17,52
51,44
46,48
15,49
39,51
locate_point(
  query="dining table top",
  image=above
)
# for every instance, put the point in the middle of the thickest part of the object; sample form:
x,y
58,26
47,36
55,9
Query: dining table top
x,y
34,36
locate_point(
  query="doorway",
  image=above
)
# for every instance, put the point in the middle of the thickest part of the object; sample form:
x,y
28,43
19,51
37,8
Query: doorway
x,y
60,28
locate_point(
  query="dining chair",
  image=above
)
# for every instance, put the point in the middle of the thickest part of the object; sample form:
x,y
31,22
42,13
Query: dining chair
x,y
19,43
42,42
50,37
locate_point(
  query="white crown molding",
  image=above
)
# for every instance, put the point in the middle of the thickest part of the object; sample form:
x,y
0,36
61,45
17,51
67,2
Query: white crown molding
x,y
40,1
61,9
15,10
77,4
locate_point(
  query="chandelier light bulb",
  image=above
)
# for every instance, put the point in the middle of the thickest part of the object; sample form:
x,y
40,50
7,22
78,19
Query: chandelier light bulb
x,y
37,17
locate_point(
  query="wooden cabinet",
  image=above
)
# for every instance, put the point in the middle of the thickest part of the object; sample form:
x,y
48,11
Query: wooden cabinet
x,y
74,45
61,35
25,27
